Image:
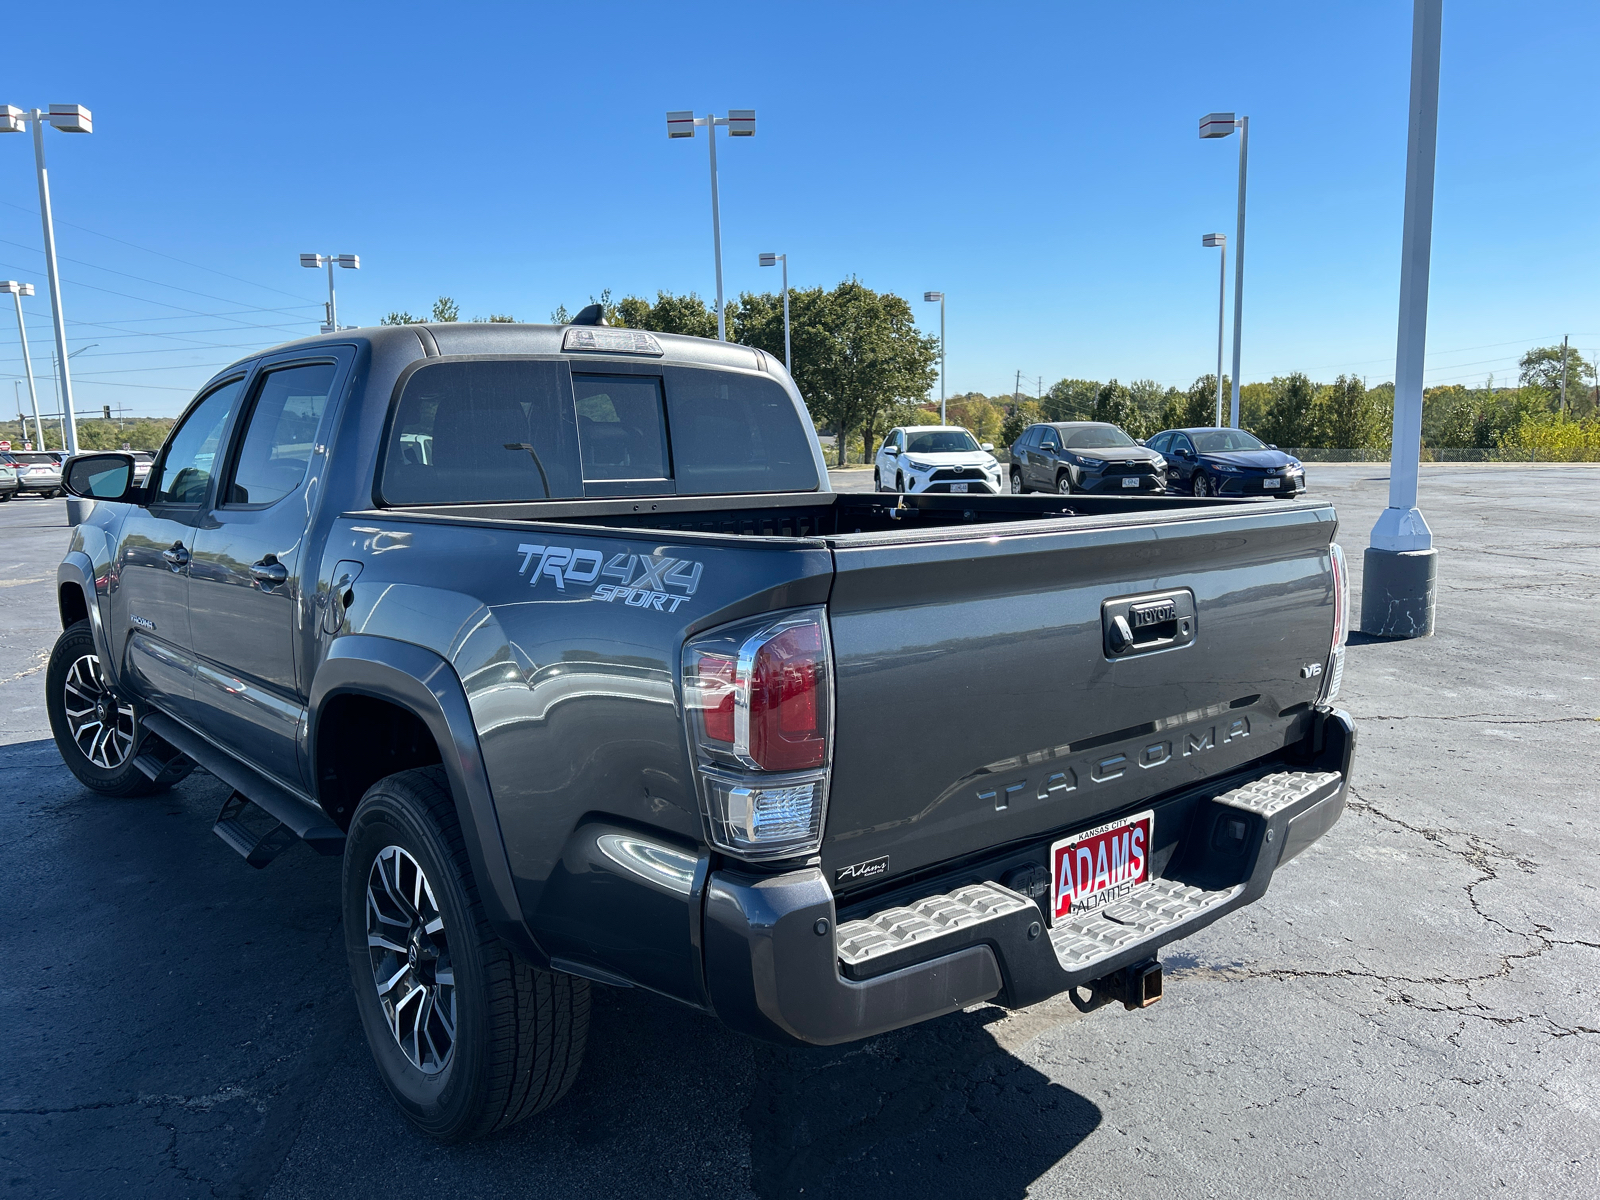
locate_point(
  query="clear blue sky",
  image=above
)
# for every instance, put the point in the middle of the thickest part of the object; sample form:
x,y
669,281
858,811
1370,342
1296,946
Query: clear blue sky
x,y
1040,163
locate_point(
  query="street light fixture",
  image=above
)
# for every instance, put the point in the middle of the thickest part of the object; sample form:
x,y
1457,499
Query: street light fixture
x,y
740,122
772,260
18,291
930,297
351,262
1220,125
68,118
1220,241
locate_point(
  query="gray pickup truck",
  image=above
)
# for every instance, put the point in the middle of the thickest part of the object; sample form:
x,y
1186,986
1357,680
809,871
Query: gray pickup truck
x,y
559,636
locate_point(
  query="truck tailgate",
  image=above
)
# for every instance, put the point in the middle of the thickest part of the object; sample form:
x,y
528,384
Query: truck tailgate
x,y
978,704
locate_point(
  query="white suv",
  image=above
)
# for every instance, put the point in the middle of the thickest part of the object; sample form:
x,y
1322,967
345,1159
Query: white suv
x,y
935,458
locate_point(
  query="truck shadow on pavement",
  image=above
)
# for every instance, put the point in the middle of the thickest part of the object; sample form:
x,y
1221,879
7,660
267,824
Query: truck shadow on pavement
x,y
241,1069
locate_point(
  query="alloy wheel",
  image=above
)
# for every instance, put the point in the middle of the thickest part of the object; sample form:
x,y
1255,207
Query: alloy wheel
x,y
410,955
101,724
1016,483
1064,484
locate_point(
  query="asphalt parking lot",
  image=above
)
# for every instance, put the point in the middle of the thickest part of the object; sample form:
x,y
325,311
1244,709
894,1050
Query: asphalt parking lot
x,y
1413,1009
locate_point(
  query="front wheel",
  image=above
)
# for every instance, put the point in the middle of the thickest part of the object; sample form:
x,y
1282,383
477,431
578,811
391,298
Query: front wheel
x,y
96,728
1202,485
468,1038
1016,483
899,482
1064,483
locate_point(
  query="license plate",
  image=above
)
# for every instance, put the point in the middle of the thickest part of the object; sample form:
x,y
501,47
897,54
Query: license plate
x,y
1130,481
1101,865
958,487
1271,483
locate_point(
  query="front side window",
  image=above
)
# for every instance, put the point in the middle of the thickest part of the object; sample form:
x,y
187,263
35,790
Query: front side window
x,y
1182,442
622,427
191,454
482,431
276,451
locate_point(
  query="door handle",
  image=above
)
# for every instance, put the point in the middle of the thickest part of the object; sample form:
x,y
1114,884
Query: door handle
x,y
175,555
269,571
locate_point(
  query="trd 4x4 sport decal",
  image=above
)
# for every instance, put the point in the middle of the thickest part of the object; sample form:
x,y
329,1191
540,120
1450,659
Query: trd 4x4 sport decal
x,y
644,578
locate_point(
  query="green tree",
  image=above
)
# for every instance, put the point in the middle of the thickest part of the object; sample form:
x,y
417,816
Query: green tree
x,y
1116,405
446,310
1070,400
1350,417
979,416
1541,368
686,314
1291,416
401,318
1027,413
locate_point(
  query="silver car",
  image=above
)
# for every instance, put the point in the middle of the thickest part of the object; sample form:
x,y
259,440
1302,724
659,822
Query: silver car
x,y
38,471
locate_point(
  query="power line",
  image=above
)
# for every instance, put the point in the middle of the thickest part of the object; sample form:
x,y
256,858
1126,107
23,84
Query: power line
x,y
158,253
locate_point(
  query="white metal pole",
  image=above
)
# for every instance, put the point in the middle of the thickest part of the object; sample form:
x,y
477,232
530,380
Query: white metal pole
x,y
788,361
1238,265
1399,584
333,306
27,366
1222,298
69,417
943,418
716,225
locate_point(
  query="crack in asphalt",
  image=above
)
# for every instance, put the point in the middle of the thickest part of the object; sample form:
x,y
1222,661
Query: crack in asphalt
x,y
1480,854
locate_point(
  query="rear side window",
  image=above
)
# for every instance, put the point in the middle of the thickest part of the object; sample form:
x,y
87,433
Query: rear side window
x,y
736,433
475,432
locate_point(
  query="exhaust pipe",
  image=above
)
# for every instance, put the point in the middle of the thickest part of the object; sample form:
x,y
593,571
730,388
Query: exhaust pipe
x,y
1138,986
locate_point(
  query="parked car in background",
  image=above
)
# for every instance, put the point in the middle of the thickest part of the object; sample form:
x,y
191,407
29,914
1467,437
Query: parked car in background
x,y
8,480
38,471
1227,462
936,458
141,466
1084,456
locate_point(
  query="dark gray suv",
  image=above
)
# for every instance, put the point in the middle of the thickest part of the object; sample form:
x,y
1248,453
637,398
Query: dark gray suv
x,y
1084,456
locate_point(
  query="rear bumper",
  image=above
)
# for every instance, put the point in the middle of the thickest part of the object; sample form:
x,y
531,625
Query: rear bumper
x,y
780,967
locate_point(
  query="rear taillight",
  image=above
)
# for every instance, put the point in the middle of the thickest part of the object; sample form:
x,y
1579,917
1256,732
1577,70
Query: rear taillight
x,y
758,695
1333,675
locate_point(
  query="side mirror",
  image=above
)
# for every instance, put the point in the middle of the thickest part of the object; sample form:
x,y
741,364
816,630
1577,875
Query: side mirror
x,y
1271,447
101,477
1184,453
990,446
1139,440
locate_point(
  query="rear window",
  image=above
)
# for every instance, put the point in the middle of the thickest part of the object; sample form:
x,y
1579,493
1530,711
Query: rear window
x,y
736,433
523,429
474,432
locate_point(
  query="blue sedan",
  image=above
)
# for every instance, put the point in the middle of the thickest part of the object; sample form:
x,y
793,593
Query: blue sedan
x,y
1227,462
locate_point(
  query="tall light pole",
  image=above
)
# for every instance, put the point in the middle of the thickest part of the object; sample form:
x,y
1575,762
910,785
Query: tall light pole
x,y
18,291
740,122
772,260
69,118
351,262
1220,125
930,297
1400,566
1220,241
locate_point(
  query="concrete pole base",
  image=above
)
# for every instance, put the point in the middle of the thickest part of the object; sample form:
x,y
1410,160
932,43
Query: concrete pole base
x,y
78,511
1397,592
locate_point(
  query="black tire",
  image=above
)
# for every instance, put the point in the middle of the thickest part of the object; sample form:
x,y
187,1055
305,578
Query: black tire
x,y
1201,485
899,482
1016,483
105,762
1064,483
519,1032
877,480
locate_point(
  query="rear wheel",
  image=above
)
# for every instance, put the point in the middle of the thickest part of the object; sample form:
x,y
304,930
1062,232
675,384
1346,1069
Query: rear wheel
x,y
96,728
468,1039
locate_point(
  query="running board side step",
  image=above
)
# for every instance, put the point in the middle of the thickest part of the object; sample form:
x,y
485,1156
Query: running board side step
x,y
256,849
162,770
300,816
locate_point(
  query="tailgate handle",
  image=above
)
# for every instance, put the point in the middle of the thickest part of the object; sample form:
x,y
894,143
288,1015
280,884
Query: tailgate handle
x,y
1142,624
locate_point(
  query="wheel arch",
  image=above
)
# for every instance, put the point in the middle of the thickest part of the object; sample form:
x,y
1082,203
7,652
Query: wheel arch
x,y
75,584
374,687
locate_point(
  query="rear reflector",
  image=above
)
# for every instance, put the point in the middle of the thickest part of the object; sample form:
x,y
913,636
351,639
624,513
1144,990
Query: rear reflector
x,y
1333,675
